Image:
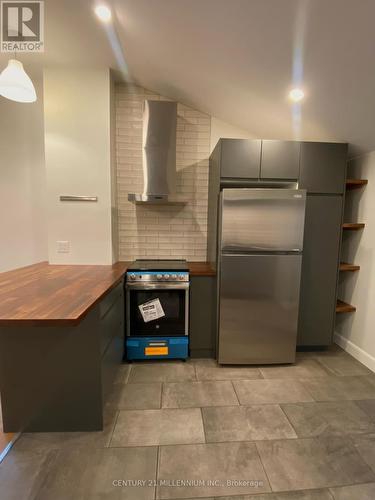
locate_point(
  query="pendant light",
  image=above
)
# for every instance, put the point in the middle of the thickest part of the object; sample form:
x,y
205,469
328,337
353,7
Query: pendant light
x,y
15,83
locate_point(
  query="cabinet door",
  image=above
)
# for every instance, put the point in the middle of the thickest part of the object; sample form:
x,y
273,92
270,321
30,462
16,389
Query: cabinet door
x,y
280,160
202,316
323,167
240,158
319,270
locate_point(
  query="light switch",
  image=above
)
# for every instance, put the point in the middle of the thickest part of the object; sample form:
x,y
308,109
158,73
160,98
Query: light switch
x,y
63,246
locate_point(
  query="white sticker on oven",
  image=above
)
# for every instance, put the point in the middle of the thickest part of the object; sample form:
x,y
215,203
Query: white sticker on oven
x,y
151,310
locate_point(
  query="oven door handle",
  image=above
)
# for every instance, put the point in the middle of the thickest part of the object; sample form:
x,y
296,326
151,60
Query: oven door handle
x,y
157,286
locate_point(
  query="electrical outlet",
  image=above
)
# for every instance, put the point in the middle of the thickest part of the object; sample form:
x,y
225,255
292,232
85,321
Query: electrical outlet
x,y
63,246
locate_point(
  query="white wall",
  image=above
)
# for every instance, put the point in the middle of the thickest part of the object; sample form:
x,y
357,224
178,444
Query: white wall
x,y
78,162
222,129
22,183
355,332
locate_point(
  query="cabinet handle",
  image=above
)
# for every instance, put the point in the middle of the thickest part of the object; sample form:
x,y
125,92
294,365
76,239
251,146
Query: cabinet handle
x,y
78,198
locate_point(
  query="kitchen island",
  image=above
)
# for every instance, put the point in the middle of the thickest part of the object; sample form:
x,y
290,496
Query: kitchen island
x,y
61,339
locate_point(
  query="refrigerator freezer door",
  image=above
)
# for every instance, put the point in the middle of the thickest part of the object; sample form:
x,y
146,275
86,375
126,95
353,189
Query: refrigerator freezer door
x,y
258,314
262,220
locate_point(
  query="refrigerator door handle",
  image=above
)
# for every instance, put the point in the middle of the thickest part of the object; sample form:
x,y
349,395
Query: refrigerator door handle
x,y
294,251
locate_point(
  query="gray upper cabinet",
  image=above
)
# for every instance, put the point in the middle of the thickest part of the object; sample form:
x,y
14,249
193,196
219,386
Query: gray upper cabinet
x,y
240,158
280,160
323,167
319,270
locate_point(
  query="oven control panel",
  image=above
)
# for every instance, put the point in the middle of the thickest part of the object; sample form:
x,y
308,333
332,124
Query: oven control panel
x,y
157,276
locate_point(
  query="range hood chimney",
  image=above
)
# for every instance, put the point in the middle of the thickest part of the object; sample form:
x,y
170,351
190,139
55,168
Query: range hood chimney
x,y
159,154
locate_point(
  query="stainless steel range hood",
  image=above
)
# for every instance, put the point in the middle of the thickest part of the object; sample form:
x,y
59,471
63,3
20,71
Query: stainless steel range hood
x,y
159,154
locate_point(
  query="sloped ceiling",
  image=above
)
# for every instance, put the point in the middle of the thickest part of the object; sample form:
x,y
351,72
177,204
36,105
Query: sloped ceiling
x,y
236,59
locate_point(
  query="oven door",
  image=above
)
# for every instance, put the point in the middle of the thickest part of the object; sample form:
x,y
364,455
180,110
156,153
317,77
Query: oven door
x,y
174,299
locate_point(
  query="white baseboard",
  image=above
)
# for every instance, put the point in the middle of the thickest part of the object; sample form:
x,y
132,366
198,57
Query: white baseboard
x,y
355,351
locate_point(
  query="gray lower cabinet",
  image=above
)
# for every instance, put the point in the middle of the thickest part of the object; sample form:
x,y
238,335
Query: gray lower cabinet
x,y
56,378
280,160
112,336
202,316
323,167
240,158
320,270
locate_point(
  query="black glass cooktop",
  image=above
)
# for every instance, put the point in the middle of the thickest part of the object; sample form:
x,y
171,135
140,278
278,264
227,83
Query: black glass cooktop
x,y
158,265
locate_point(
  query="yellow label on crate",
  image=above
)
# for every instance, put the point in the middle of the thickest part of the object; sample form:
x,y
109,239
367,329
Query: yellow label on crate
x,y
156,351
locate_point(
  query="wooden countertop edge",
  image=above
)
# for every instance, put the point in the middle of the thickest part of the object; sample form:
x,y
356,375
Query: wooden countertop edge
x,y
40,322
195,269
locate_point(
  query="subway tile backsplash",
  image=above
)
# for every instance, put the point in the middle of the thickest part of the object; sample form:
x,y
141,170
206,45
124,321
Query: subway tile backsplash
x,y
161,231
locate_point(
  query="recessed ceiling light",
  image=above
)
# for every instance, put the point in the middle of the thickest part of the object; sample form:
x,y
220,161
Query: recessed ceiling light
x,y
296,95
104,13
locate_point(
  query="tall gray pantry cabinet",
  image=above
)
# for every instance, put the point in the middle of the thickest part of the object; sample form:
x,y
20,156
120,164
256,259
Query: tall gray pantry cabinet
x,y
323,175
320,168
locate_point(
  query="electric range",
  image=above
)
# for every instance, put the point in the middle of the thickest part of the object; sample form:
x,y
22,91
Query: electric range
x,y
157,309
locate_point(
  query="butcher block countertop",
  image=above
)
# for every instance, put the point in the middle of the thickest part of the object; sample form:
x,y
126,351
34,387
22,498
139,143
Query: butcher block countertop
x,y
44,294
201,269
54,294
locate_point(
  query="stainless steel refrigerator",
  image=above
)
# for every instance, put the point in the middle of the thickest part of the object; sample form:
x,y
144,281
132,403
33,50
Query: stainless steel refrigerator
x,y
260,256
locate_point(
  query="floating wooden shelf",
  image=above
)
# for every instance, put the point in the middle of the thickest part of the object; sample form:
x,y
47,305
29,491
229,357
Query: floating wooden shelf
x,y
343,307
353,226
344,266
355,183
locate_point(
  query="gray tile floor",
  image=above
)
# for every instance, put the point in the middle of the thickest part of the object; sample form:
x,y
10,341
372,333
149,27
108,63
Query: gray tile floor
x,y
197,430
